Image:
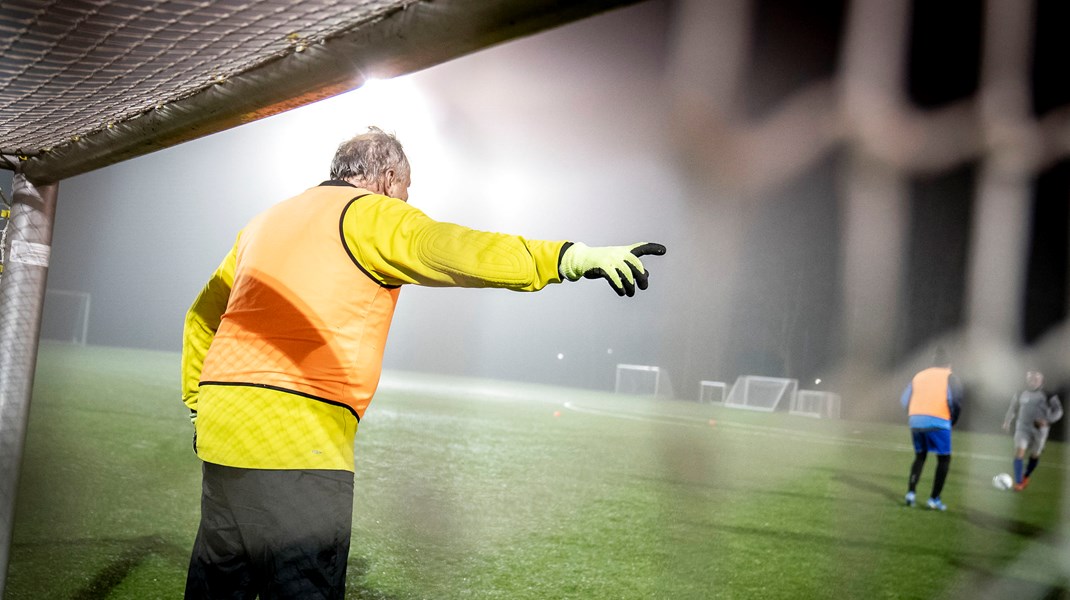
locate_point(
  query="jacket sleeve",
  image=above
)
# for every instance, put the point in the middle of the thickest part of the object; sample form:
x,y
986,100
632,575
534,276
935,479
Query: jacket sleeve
x,y
1012,411
1055,409
202,321
904,398
397,244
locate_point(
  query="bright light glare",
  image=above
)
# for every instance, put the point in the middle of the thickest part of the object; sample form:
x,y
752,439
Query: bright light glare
x,y
310,135
506,200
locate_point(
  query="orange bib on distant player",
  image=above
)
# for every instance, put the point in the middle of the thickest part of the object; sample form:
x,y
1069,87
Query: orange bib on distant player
x,y
929,393
302,316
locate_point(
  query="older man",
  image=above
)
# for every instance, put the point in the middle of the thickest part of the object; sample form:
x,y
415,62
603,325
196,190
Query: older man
x,y
283,350
1034,410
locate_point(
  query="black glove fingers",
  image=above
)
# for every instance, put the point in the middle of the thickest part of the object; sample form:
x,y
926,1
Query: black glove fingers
x,y
600,274
621,262
627,284
642,279
639,275
649,248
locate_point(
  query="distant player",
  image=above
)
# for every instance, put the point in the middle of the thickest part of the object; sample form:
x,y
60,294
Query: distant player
x,y
1034,411
932,400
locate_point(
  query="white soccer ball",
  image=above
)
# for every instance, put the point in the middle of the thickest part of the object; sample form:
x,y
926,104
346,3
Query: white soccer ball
x,y
1003,481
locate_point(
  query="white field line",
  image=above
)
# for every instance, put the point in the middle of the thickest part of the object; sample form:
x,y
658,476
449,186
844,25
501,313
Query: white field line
x,y
781,433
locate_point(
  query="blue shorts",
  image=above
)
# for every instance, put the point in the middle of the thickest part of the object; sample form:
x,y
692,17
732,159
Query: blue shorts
x,y
937,441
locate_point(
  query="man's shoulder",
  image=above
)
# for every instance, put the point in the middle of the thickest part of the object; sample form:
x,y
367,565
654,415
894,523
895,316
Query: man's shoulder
x,y
326,194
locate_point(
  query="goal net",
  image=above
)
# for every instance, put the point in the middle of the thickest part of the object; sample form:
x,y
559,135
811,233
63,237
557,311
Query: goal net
x,y
712,392
814,403
66,316
643,380
762,393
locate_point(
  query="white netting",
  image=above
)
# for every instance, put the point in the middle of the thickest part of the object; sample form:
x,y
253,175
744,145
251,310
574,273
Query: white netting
x,y
712,392
643,380
814,403
862,110
72,68
767,394
66,316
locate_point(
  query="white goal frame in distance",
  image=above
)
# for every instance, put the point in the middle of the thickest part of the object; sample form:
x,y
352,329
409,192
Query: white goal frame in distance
x,y
742,396
79,330
815,403
662,385
708,390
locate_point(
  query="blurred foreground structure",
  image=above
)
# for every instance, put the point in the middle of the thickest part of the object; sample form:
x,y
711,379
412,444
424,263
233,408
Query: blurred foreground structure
x,y
862,112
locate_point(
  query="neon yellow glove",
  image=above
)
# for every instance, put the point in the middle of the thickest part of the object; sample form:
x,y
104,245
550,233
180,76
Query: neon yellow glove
x,y
619,265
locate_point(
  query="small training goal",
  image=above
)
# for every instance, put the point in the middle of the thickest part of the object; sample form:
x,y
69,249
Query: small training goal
x,y
754,392
712,392
66,316
643,380
815,403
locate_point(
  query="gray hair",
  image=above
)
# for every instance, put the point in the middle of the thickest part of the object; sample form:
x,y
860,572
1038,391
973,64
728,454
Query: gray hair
x,y
368,156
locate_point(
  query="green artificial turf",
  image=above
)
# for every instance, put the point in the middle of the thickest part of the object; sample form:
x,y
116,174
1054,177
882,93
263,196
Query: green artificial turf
x,y
478,489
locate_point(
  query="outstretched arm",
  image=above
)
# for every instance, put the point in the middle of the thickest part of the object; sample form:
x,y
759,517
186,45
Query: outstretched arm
x,y
397,244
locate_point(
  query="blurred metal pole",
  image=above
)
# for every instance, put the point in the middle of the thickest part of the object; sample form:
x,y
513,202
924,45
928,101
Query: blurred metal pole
x,y
22,296
875,223
999,253
875,192
706,59
999,245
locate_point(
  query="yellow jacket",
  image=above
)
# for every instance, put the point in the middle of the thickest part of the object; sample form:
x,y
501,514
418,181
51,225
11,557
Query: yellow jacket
x,y
282,349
